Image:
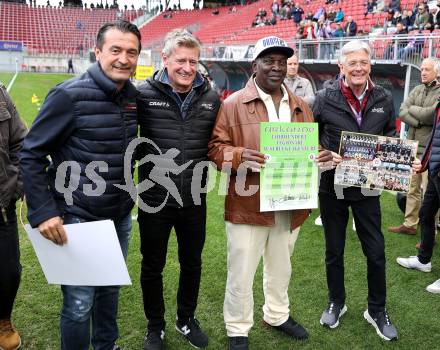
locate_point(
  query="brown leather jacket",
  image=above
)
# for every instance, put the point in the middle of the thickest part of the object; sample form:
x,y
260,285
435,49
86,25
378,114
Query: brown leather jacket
x,y
238,127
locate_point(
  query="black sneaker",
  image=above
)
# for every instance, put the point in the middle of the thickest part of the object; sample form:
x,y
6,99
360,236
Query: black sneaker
x,y
292,329
382,323
238,343
190,329
330,317
154,340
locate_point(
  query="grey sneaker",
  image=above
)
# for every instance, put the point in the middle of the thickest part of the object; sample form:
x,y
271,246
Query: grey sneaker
x,y
190,329
330,317
382,323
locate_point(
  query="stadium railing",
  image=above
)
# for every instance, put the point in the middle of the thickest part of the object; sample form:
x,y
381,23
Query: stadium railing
x,y
411,49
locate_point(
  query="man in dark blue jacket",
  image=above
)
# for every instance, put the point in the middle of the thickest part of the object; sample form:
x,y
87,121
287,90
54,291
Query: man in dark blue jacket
x,y
353,103
430,206
177,110
88,122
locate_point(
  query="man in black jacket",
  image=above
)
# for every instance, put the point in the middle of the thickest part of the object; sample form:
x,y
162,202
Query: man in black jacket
x,y
89,122
353,103
177,110
12,133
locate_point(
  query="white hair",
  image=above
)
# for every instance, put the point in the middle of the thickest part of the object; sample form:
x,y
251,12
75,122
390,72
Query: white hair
x,y
354,46
436,63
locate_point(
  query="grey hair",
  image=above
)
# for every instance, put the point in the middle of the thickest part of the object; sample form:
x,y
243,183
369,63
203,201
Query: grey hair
x,y
354,46
177,38
436,63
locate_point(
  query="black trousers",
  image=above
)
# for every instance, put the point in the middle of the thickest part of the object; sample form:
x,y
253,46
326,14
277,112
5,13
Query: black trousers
x,y
190,226
10,268
367,217
430,206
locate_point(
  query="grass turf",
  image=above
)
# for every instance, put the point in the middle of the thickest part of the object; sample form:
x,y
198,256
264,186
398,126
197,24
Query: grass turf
x,y
413,310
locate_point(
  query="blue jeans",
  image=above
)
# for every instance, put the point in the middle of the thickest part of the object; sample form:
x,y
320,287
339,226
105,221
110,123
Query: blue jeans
x,y
82,304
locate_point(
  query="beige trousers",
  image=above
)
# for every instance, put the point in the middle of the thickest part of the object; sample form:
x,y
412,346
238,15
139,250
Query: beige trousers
x,y
414,199
246,245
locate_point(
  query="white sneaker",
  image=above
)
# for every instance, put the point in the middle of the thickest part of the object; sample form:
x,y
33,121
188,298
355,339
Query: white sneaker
x,y
318,221
434,287
413,262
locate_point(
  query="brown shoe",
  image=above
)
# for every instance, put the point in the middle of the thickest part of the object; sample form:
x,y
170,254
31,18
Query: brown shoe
x,y
9,337
403,229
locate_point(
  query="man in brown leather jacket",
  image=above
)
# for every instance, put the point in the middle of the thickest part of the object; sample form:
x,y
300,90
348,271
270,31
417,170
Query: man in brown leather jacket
x,y
251,233
12,133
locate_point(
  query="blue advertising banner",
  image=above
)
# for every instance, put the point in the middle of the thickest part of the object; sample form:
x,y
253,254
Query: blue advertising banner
x,y
11,45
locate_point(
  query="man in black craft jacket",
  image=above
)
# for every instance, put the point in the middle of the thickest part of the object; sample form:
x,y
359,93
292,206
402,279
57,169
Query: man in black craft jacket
x,y
177,110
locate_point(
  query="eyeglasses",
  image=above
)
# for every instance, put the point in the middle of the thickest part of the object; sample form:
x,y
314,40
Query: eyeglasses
x,y
354,64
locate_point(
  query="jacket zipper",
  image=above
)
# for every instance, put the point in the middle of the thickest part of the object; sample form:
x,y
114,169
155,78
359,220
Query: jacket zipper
x,y
5,216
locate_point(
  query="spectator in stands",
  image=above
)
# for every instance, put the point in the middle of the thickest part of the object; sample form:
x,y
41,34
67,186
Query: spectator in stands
x,y
250,233
371,7
394,5
309,33
285,12
350,27
297,13
437,16
397,18
331,14
398,42
309,16
417,111
12,133
323,33
186,99
341,106
262,13
412,48
422,17
339,15
275,8
430,205
299,86
319,12
300,34
407,20
66,129
339,31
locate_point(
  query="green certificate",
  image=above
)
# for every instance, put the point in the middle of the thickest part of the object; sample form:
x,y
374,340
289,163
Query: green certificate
x,y
289,179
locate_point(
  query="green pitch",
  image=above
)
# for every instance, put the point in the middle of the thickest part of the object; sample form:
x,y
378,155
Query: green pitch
x,y
414,311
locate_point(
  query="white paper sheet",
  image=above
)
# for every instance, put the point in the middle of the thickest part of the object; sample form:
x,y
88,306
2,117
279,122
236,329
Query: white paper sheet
x,y
91,257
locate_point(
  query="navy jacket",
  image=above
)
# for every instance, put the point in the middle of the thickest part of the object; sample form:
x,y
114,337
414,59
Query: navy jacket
x,y
334,115
433,146
82,120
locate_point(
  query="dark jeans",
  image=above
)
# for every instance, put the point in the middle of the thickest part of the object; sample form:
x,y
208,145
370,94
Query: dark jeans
x,y
367,217
427,214
82,304
190,226
10,268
